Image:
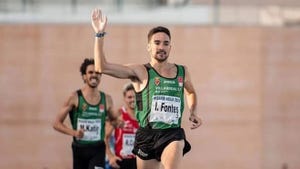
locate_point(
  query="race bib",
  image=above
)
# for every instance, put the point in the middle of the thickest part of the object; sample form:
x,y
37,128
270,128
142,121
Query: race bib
x,y
128,143
91,127
165,109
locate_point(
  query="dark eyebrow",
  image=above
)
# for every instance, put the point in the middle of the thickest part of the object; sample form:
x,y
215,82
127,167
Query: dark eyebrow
x,y
160,41
91,72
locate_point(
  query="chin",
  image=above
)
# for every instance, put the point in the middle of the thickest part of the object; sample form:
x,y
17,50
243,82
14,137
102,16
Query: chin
x,y
161,59
93,86
132,106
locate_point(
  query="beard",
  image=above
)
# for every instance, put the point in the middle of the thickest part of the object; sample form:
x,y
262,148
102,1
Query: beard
x,y
93,82
161,56
92,85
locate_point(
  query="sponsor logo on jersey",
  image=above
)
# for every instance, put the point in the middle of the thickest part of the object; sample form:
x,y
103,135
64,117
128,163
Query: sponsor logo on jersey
x,y
101,108
180,81
84,107
157,81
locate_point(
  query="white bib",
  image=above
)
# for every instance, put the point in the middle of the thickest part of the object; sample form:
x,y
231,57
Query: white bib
x,y
128,143
165,109
91,127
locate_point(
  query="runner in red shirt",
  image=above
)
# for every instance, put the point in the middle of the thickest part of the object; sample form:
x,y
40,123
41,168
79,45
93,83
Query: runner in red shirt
x,y
123,137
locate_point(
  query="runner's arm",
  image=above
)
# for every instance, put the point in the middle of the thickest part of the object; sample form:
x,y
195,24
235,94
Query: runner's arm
x,y
191,101
113,116
62,114
99,22
112,158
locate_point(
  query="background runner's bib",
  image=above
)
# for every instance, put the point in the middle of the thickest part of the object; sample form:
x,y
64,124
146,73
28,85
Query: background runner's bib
x,y
160,104
91,127
90,118
125,137
127,146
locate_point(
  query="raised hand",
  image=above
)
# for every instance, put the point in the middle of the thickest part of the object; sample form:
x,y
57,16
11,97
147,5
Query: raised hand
x,y
98,21
196,121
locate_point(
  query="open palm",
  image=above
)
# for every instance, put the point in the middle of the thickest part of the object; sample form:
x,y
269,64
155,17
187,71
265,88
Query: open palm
x,y
98,21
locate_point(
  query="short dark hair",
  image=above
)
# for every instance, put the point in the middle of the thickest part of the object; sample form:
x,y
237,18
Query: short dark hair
x,y
158,29
127,87
85,64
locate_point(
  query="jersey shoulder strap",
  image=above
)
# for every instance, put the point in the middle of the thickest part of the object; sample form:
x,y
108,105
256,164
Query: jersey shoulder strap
x,y
148,66
79,93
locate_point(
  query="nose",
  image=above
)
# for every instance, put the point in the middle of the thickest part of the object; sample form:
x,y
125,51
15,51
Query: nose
x,y
160,46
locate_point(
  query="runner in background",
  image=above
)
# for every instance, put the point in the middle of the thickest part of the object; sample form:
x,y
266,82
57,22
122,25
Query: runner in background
x,y
123,137
88,109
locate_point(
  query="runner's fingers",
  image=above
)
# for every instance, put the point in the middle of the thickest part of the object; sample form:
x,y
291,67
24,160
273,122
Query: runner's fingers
x,y
115,165
80,133
196,123
193,126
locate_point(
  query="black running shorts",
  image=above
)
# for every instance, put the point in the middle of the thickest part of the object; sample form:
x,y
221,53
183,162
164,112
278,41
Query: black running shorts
x,y
88,156
128,163
150,143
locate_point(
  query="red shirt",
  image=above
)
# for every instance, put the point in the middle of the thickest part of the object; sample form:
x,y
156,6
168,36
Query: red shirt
x,y
124,137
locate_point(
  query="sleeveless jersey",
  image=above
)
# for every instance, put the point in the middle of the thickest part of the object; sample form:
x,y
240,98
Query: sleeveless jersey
x,y
90,118
161,103
125,137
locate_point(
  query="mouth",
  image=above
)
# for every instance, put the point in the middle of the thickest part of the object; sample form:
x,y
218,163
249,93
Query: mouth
x,y
161,52
132,104
93,80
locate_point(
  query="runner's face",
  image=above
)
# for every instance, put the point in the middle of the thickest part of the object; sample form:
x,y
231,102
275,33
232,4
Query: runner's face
x,y
92,78
159,46
129,99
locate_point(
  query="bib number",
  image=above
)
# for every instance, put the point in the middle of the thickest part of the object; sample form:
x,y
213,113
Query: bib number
x,y
165,109
128,143
91,127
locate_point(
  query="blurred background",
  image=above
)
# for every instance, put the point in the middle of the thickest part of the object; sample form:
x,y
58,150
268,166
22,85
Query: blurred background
x,y
244,58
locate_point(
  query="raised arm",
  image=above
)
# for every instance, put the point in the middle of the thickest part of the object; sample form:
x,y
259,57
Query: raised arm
x,y
99,22
191,97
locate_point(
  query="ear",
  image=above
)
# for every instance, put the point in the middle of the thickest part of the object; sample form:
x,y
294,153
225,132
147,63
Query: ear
x,y
84,78
148,47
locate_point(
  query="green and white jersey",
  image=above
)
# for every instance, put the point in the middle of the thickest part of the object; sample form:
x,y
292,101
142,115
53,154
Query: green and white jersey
x,y
161,103
90,118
